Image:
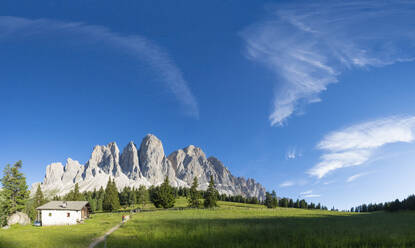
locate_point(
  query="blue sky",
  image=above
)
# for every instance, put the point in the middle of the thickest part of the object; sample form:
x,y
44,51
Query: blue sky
x,y
314,100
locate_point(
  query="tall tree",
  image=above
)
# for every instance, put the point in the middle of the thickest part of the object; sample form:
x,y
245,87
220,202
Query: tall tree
x,y
39,198
271,200
124,196
100,199
77,196
14,192
142,196
132,197
268,200
303,204
194,195
111,201
92,202
274,199
211,195
164,195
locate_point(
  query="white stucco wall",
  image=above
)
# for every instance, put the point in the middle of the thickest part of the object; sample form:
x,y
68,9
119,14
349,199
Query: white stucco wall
x,y
60,217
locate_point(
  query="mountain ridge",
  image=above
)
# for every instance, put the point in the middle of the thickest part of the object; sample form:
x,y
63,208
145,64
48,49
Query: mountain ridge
x,y
146,166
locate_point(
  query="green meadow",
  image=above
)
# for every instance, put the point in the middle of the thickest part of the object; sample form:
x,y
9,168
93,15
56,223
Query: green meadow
x,y
240,225
229,225
58,236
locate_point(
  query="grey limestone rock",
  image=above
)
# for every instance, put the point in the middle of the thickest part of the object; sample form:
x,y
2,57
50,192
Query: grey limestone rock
x,y
146,166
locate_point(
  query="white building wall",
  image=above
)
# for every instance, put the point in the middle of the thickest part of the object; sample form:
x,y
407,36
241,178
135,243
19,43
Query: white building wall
x,y
60,217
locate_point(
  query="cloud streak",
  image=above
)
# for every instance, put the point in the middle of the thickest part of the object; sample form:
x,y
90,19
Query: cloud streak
x,y
287,184
136,46
356,176
355,145
308,194
311,196
308,45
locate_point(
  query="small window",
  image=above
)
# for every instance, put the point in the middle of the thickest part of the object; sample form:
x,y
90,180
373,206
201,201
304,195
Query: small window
x,y
68,215
50,214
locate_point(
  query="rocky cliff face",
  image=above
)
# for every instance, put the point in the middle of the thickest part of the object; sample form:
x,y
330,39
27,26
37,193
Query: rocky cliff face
x,y
147,166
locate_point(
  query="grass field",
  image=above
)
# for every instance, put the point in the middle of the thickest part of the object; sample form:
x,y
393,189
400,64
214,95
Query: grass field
x,y
240,225
58,236
230,225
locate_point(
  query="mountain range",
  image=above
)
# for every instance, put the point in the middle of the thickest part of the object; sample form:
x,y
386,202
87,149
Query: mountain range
x,y
145,165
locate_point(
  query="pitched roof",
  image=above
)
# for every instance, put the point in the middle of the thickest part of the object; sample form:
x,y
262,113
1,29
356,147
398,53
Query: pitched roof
x,y
60,205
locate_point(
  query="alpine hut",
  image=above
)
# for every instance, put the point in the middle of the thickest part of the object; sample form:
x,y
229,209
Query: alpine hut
x,y
63,212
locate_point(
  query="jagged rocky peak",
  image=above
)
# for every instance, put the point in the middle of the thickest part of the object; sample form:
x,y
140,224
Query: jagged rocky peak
x,y
153,163
72,171
147,166
105,158
72,165
194,151
54,173
189,163
129,161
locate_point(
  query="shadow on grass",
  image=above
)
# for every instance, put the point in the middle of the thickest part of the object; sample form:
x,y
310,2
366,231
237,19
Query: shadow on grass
x,y
363,230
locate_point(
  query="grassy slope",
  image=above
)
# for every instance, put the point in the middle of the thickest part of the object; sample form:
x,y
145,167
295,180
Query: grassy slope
x,y
58,236
240,225
231,225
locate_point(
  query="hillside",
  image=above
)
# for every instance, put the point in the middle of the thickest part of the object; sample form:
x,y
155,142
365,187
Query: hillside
x,y
230,225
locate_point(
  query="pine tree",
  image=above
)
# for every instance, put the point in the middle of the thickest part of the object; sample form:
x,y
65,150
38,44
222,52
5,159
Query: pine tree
x,y
111,201
271,200
274,202
142,196
268,200
164,195
124,196
297,204
132,198
194,195
77,196
14,192
39,199
100,202
100,199
211,195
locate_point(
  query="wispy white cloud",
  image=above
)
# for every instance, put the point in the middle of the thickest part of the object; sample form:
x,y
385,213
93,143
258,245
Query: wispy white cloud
x,y
290,183
356,176
287,184
134,45
309,44
311,196
293,153
355,145
306,192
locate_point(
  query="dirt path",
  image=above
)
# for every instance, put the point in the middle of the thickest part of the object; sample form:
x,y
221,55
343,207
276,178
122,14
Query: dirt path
x,y
103,237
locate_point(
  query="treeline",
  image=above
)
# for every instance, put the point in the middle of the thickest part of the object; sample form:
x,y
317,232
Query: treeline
x,y
272,201
406,204
162,196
